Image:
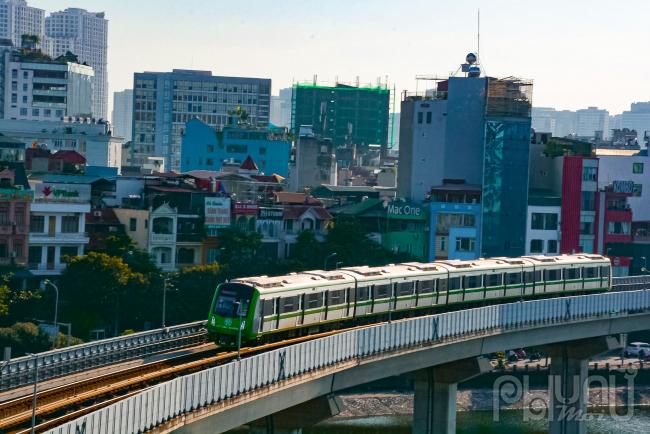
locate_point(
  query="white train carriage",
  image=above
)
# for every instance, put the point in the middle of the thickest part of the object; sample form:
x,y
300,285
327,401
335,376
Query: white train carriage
x,y
308,299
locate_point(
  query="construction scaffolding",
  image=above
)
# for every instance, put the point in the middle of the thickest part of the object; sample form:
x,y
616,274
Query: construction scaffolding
x,y
509,97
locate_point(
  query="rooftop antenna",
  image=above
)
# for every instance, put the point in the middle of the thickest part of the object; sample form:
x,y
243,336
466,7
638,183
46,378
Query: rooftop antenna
x,y
478,35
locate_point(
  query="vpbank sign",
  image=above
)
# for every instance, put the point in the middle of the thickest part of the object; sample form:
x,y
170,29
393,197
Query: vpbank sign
x,y
405,210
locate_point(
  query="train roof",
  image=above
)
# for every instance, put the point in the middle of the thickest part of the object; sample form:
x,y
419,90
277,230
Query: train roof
x,y
349,275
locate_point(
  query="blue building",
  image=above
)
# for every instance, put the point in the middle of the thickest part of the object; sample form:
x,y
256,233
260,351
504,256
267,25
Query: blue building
x,y
204,148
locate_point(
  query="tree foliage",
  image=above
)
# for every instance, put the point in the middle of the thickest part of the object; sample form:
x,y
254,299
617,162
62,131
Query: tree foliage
x,y
190,292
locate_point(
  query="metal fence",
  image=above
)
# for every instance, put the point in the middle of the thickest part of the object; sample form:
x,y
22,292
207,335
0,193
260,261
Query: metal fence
x,y
183,395
20,371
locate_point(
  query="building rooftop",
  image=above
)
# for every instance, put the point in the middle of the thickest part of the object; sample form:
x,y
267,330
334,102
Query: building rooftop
x,y
70,179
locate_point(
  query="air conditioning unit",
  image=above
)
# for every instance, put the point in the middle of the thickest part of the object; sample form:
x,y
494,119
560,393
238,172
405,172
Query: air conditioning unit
x,y
97,213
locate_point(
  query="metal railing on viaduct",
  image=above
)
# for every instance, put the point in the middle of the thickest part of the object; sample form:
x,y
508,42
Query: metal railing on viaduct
x,y
20,371
170,405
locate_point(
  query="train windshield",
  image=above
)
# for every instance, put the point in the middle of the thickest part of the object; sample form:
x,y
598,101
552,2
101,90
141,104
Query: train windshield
x,y
233,300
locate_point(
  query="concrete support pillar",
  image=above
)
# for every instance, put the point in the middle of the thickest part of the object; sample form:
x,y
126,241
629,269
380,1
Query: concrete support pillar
x,y
569,385
434,409
293,420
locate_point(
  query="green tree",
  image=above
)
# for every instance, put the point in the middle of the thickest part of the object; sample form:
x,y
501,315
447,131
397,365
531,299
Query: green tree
x,y
96,288
24,337
190,292
239,252
308,252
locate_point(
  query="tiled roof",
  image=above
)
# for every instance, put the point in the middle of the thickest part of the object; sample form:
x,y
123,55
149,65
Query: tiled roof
x,y
294,212
294,198
249,164
71,157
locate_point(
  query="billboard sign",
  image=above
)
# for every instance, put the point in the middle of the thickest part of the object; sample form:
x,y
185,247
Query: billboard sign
x,y
217,212
59,192
271,214
242,208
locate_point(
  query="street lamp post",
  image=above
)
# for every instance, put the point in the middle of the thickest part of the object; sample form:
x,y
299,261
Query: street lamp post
x,y
56,300
644,269
330,256
164,302
35,358
239,328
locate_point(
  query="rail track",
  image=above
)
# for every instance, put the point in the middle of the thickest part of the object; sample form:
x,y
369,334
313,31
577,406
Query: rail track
x,y
60,404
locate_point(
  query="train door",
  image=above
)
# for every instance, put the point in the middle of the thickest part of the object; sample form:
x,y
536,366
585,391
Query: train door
x,y
301,309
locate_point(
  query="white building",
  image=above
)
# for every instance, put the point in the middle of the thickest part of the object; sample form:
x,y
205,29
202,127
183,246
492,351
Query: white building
x,y
543,229
57,226
40,90
86,35
169,246
281,108
632,170
592,120
638,119
18,19
122,116
93,140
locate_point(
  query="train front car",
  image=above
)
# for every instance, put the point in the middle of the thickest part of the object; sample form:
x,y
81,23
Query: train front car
x,y
232,312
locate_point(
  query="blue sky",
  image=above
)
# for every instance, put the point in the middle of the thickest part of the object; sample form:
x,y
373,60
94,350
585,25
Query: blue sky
x,y
578,52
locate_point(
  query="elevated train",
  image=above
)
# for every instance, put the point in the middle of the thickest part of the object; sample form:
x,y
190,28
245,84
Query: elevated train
x,y
270,308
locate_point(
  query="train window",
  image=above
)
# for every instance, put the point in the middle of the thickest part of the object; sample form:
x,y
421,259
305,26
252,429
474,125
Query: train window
x,y
405,288
426,286
533,276
604,271
288,304
571,273
454,283
550,275
513,278
335,297
493,280
590,272
443,285
382,291
268,307
473,282
350,292
363,293
313,301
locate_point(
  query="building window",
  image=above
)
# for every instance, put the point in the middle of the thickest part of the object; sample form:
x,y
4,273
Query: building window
x,y
37,224
587,245
36,112
536,246
420,117
163,225
133,224
4,253
262,150
638,190
588,201
70,224
4,215
210,148
637,167
23,111
465,244
429,115
69,251
587,225
618,228
544,221
443,244
552,246
185,256
589,173
209,162
34,255
18,249
237,149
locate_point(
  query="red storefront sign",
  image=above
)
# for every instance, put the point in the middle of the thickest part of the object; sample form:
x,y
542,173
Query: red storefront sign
x,y
242,208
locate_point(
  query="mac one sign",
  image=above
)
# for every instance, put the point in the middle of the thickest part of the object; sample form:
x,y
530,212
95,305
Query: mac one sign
x,y
405,210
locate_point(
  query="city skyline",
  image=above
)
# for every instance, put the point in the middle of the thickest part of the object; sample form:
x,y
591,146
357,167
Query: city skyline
x,y
290,42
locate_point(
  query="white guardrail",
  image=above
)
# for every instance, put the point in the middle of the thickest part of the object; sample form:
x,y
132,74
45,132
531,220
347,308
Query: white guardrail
x,y
182,395
20,371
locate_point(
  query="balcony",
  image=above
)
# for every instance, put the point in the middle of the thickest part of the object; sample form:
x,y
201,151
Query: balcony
x,y
162,238
59,238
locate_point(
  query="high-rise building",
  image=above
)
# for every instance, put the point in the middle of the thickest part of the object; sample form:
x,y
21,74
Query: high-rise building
x,y
593,122
38,88
281,108
638,119
86,35
468,140
165,101
18,19
122,117
348,115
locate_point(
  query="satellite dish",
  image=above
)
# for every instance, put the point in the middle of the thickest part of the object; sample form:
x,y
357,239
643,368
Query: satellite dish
x,y
471,58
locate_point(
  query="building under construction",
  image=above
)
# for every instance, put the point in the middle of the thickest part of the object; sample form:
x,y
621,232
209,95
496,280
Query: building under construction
x,y
352,116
